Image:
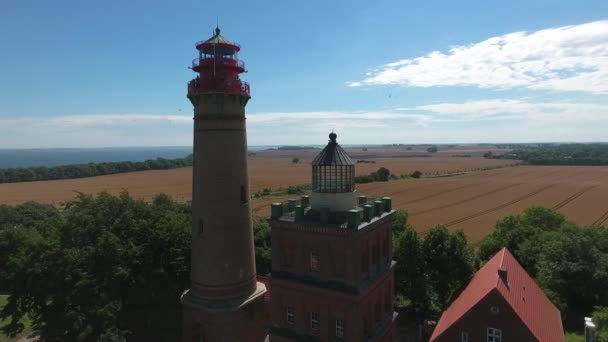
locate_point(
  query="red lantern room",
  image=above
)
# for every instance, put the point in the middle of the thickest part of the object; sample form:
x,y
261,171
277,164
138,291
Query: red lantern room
x,y
218,67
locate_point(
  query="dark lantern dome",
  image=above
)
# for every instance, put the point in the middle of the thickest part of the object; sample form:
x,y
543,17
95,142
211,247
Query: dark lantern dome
x,y
332,170
332,154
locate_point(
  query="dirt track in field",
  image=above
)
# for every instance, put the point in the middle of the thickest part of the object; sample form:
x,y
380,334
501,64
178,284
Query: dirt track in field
x,y
474,201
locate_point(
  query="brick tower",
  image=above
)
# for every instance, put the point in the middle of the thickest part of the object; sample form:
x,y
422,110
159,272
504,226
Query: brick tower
x,y
224,296
332,267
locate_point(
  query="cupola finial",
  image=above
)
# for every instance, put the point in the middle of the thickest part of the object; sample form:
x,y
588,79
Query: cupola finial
x,y
333,136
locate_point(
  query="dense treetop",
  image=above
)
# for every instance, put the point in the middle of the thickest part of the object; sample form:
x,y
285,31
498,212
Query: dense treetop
x,y
569,262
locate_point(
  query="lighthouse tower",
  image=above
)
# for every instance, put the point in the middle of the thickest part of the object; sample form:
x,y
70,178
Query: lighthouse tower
x,y
222,301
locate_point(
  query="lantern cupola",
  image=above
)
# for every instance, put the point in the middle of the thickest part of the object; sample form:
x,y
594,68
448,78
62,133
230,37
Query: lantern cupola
x,y
218,67
333,178
332,170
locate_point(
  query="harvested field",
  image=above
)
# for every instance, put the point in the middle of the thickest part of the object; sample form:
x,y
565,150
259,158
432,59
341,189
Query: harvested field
x,y
472,201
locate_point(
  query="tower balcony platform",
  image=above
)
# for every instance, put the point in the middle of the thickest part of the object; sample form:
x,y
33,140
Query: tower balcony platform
x,y
200,64
367,211
198,86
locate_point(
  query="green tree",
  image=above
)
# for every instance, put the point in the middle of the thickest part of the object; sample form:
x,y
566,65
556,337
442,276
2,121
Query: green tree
x,y
570,263
382,174
263,247
416,174
111,268
573,269
449,262
295,160
600,319
401,222
410,270
514,231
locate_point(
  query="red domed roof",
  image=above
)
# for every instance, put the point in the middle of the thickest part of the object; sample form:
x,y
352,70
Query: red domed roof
x,y
218,44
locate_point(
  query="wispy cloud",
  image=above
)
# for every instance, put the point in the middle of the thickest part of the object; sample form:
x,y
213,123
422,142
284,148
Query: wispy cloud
x,y
568,58
502,109
471,121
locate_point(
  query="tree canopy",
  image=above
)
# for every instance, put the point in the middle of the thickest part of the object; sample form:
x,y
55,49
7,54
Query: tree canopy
x,y
431,268
569,262
104,268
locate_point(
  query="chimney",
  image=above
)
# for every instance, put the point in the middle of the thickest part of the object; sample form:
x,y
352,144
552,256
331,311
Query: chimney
x,y
589,330
502,273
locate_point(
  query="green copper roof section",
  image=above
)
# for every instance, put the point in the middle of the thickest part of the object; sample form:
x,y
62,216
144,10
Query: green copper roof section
x,y
218,45
218,38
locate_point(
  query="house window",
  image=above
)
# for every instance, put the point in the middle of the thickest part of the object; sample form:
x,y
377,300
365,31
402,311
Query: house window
x,y
314,323
494,335
314,261
290,316
339,328
464,337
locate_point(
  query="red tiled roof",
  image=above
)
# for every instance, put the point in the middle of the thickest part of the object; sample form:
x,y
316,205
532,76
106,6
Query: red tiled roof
x,y
528,301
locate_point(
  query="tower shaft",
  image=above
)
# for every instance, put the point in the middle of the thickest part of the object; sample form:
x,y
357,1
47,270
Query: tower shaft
x,y
222,241
222,300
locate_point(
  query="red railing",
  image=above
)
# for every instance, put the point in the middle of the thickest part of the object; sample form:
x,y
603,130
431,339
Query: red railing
x,y
201,42
197,86
218,62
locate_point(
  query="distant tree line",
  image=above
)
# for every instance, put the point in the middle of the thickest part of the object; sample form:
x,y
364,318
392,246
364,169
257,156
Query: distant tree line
x,y
382,175
492,155
432,149
42,173
565,154
294,148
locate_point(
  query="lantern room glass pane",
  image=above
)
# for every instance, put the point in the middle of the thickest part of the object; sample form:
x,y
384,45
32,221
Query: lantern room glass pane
x,y
333,179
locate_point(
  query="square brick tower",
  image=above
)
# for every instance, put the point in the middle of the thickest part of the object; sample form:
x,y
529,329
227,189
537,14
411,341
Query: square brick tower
x,y
332,267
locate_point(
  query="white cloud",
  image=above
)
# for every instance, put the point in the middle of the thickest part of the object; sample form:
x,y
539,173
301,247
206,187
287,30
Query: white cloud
x,y
568,58
500,109
497,120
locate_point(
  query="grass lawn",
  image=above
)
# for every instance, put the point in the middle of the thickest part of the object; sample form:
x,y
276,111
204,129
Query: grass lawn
x,y
574,337
27,323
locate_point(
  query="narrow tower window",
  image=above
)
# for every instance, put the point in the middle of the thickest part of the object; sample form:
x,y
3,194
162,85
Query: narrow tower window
x,y
289,312
314,261
314,323
339,329
200,227
244,200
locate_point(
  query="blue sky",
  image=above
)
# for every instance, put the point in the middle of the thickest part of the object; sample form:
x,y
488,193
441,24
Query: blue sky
x,y
114,73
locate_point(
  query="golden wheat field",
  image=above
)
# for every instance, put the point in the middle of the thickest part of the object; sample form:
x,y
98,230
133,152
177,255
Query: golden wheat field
x,y
473,201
